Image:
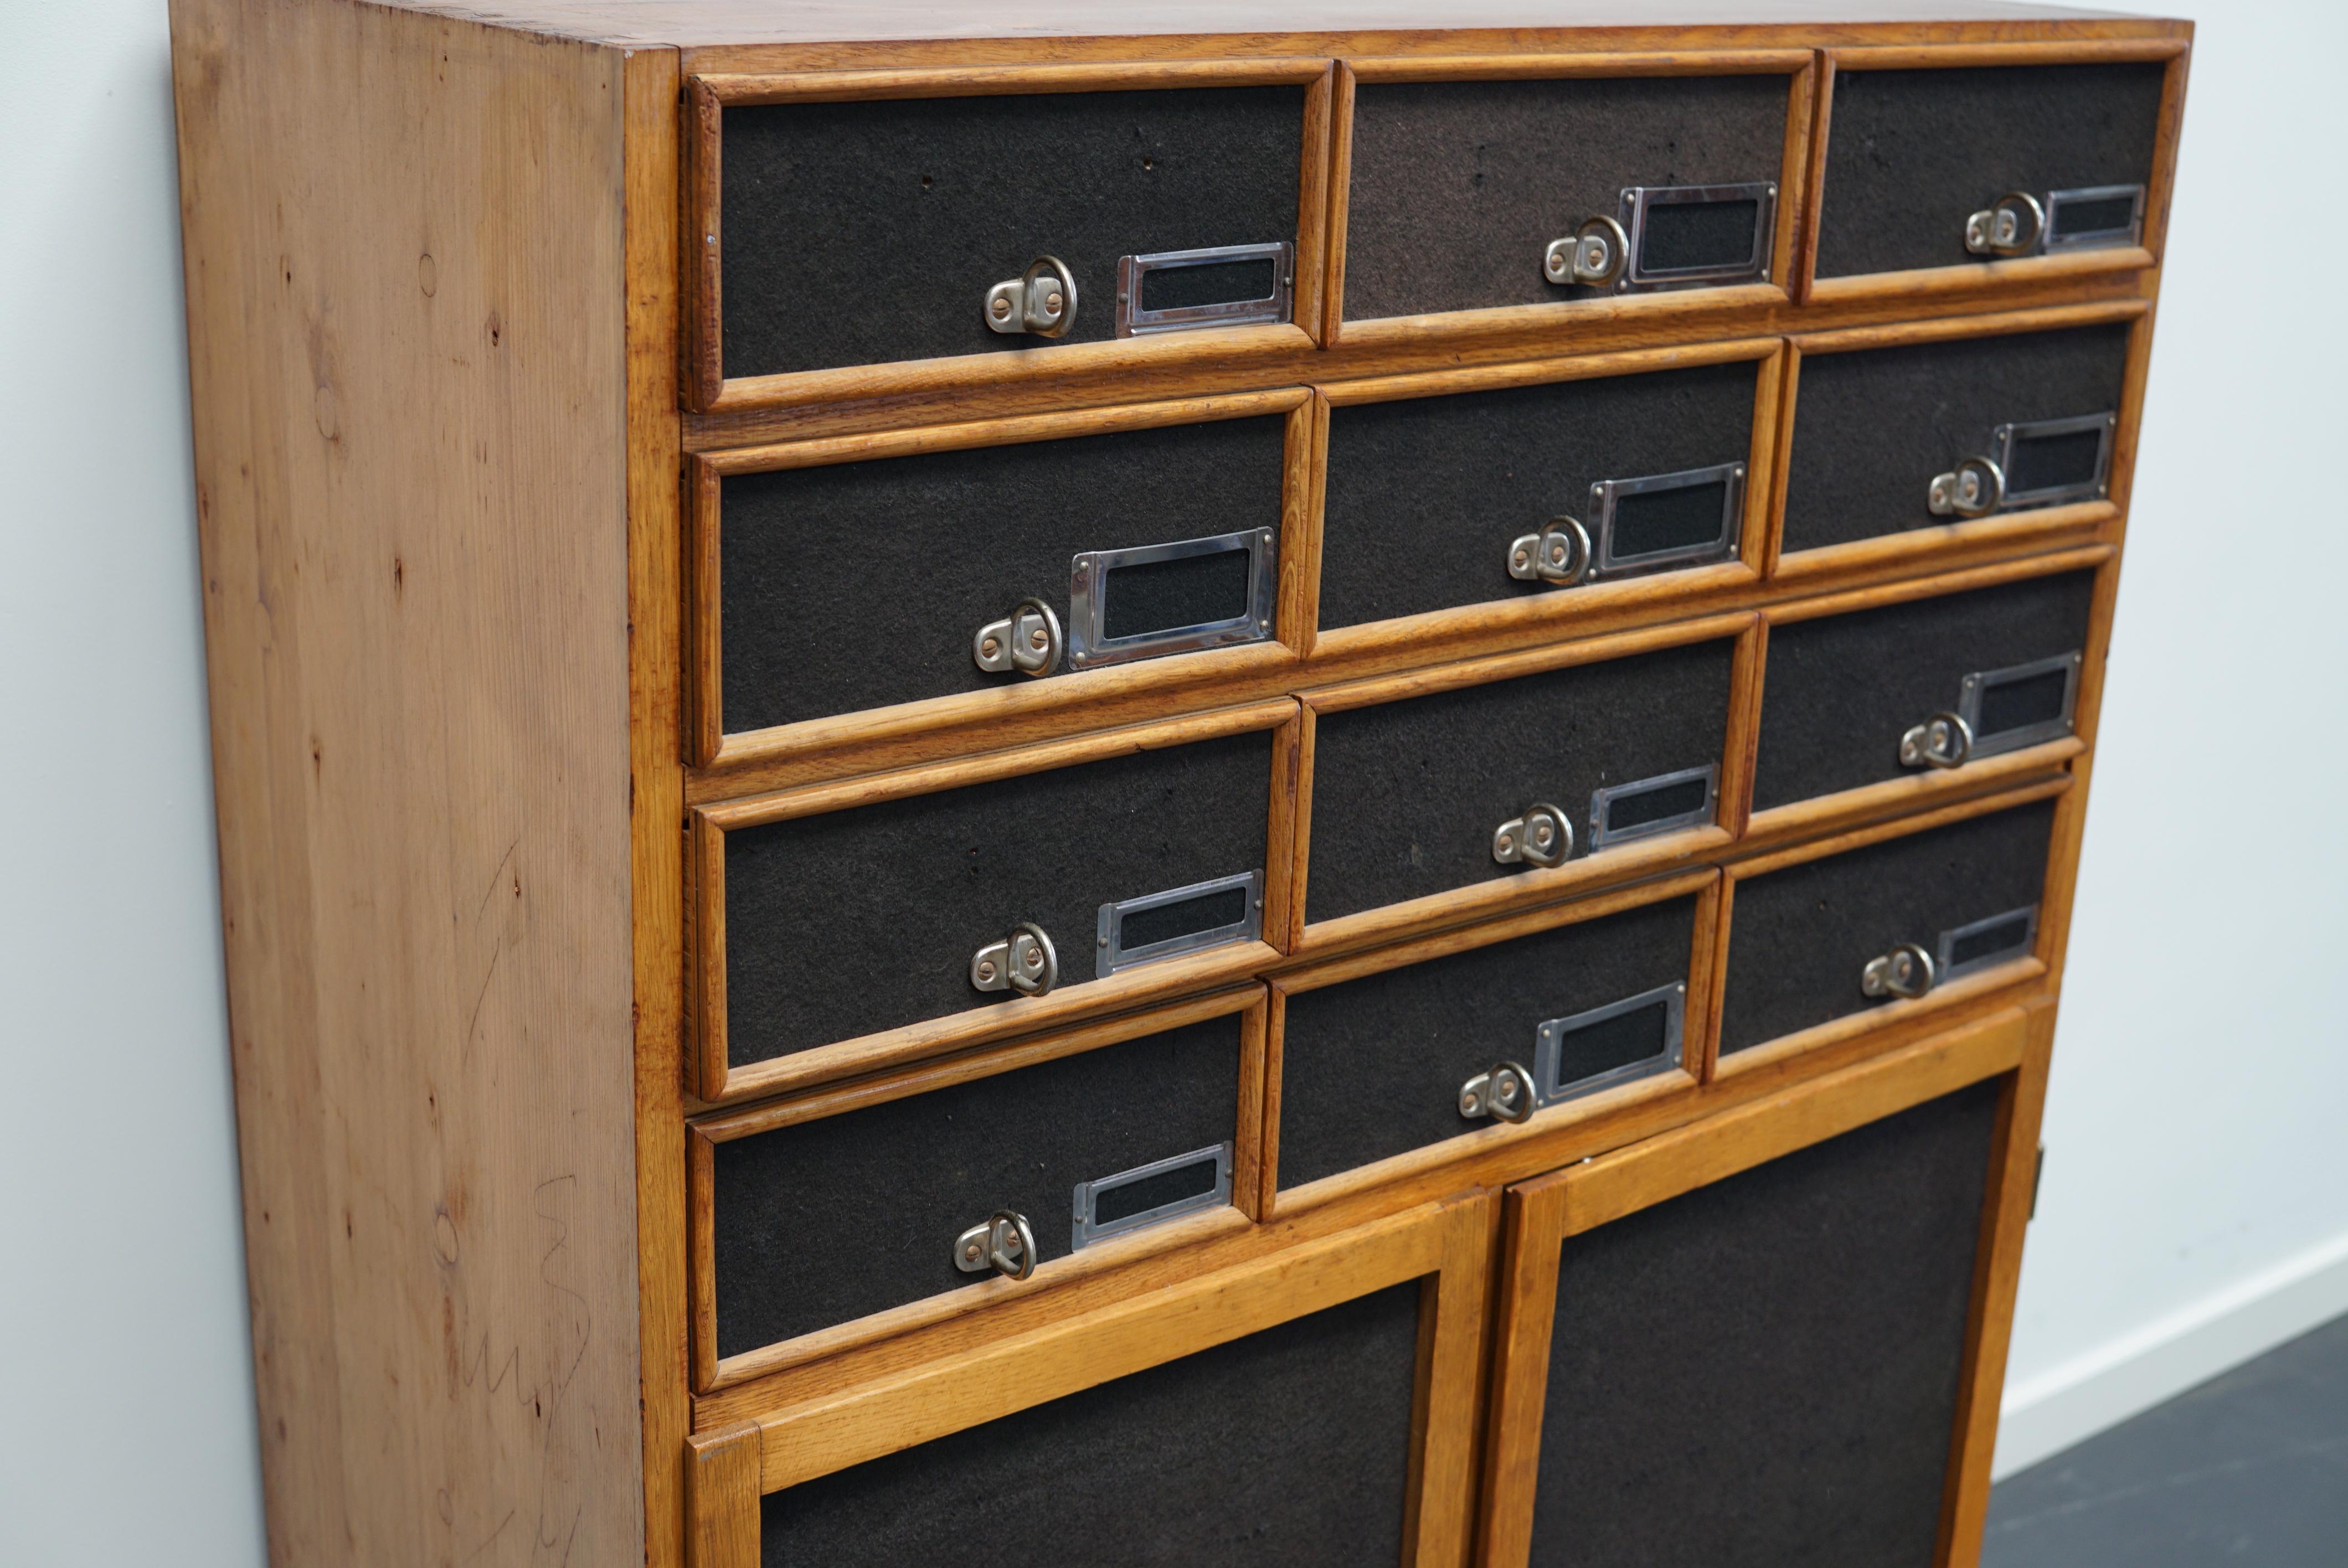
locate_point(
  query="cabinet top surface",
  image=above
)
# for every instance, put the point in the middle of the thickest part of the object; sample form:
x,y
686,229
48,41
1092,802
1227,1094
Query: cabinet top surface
x,y
689,23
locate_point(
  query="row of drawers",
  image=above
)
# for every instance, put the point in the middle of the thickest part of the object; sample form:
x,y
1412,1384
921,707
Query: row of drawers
x,y
848,927
1677,1328
832,1207
832,583
825,234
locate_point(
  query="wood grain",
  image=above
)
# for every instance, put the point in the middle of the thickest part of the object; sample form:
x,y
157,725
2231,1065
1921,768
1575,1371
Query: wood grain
x,y
1997,1272
722,1492
732,89
656,718
409,339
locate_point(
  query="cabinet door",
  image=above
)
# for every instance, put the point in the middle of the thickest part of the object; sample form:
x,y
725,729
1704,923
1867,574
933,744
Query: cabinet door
x,y
1773,1337
1313,1407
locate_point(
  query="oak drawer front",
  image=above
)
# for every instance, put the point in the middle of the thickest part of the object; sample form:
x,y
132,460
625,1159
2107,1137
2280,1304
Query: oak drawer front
x,y
1374,1067
1707,1353
862,585
1427,496
1844,695
1802,939
859,234
1458,188
1875,429
1408,796
851,922
1912,155
1291,1445
820,1222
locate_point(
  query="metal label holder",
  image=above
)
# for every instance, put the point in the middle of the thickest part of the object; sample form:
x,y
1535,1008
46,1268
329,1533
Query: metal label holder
x,y
1639,201
1110,953
1089,644
1975,688
1947,962
1133,321
1084,1229
1606,561
2007,438
1549,1044
2128,233
1601,806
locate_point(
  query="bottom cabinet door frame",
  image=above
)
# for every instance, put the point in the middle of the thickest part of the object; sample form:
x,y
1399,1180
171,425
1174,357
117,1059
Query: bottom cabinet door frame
x,y
1446,1245
1541,1215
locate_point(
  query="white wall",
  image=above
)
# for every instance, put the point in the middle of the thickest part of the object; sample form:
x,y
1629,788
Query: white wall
x,y
126,1394
2196,1200
2195,1203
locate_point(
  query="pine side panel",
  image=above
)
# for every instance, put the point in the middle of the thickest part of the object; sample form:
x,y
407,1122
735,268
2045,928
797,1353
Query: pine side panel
x,y
406,314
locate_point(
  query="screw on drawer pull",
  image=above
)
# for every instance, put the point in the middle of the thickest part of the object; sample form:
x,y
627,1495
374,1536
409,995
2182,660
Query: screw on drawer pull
x,y
1027,639
1003,1244
1595,255
1943,740
2012,227
1905,972
1560,553
1042,300
1505,1093
1024,961
1542,837
1975,489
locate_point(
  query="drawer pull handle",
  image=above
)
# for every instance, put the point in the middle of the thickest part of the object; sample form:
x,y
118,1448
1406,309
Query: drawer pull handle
x,y
1905,972
1974,488
1004,1243
1594,254
1505,1093
1024,961
1560,553
1943,740
2014,226
1041,300
1028,640
1542,837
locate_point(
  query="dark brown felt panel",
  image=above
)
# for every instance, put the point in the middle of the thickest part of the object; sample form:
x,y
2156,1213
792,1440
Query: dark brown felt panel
x,y
1911,154
1406,794
839,925
1460,187
1841,690
1287,1449
854,233
1373,1067
1425,496
1765,1371
861,585
1799,936
822,1222
1872,426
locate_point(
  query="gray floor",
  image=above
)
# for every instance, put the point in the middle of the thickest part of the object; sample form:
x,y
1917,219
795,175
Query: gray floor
x,y
2249,1468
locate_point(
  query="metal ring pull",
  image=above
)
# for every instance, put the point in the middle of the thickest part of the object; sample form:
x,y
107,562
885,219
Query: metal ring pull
x,y
2013,226
1905,972
1041,300
1943,740
1025,962
1974,488
1559,553
1595,255
1542,837
1028,640
1505,1093
1004,1242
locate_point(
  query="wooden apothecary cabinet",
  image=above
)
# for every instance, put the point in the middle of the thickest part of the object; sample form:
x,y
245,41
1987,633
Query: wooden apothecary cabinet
x,y
1442,676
